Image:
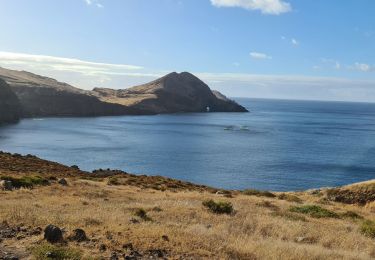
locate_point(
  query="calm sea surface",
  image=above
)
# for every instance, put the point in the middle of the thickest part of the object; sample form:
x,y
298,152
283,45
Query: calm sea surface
x,y
280,145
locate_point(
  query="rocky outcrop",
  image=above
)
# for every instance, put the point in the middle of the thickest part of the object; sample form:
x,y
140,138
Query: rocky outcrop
x,y
10,108
173,93
176,92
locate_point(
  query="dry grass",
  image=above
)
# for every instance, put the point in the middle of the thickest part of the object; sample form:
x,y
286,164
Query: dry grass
x,y
119,211
259,230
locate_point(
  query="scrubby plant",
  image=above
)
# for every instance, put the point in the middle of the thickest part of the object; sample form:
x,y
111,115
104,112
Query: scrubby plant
x,y
48,251
351,214
26,181
314,211
259,193
368,228
113,181
289,197
220,207
141,213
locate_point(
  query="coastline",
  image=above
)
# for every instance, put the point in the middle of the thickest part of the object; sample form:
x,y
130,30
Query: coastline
x,y
110,214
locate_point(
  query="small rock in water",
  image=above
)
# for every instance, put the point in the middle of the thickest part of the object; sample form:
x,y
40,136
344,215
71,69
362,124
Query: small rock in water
x,y
63,182
53,234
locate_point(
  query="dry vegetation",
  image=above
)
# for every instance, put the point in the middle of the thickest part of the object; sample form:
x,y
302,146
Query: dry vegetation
x,y
180,221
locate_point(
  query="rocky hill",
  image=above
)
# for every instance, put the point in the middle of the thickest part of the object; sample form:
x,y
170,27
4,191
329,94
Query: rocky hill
x,y
10,108
42,97
173,93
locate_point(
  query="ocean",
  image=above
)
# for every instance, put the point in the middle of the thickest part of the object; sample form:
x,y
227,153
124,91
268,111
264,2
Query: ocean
x,y
281,145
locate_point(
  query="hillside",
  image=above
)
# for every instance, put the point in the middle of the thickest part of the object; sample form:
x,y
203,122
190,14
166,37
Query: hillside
x,y
124,216
43,97
175,92
10,108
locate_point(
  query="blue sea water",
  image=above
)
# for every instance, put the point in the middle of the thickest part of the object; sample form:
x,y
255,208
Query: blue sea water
x,y
281,145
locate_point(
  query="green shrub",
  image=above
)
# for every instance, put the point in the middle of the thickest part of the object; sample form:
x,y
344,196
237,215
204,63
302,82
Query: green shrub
x,y
351,214
113,181
48,251
289,197
289,215
368,228
220,207
314,211
141,213
259,193
26,181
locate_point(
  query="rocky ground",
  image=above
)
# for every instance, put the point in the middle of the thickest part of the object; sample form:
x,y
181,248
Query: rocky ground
x,y
52,211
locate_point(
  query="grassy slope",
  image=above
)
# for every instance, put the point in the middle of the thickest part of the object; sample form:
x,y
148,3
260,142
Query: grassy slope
x,y
261,227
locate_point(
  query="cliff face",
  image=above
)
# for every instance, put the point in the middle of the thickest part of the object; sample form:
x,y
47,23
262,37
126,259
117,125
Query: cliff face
x,y
42,97
10,109
175,92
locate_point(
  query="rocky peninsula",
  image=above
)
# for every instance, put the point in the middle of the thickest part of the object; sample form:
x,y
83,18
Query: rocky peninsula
x,y
24,94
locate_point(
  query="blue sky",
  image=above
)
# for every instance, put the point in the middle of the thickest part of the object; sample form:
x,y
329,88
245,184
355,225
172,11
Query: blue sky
x,y
311,49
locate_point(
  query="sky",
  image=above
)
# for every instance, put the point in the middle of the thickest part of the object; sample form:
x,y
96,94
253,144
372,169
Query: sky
x,y
287,49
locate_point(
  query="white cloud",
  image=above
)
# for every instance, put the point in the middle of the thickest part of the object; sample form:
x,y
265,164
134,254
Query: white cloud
x,y
94,2
265,6
45,62
363,67
259,55
294,42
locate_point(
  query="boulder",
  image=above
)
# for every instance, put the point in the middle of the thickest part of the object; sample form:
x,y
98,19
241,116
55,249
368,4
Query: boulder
x,y
53,234
79,235
63,182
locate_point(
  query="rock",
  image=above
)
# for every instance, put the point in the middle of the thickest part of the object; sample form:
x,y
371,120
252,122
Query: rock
x,y
79,235
102,248
114,256
128,246
6,185
306,240
53,234
63,182
74,167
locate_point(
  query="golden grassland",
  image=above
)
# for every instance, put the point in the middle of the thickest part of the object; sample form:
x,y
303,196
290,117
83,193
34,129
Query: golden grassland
x,y
173,220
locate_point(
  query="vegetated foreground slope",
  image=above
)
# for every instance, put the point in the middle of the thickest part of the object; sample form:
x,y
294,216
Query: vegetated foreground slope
x,y
41,97
124,215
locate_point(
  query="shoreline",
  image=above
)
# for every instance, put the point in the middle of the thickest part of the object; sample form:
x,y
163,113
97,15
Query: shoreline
x,y
112,214
37,165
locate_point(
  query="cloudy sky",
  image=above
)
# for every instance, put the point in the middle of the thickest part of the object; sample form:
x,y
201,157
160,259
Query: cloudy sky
x,y
288,49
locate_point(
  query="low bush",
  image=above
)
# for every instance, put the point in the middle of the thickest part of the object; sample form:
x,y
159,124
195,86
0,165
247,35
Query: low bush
x,y
259,193
351,214
220,207
368,228
113,181
48,251
26,181
314,211
289,197
289,215
141,213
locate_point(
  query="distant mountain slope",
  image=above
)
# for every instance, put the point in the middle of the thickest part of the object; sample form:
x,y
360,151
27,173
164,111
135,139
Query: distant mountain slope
x,y
42,96
10,108
175,92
